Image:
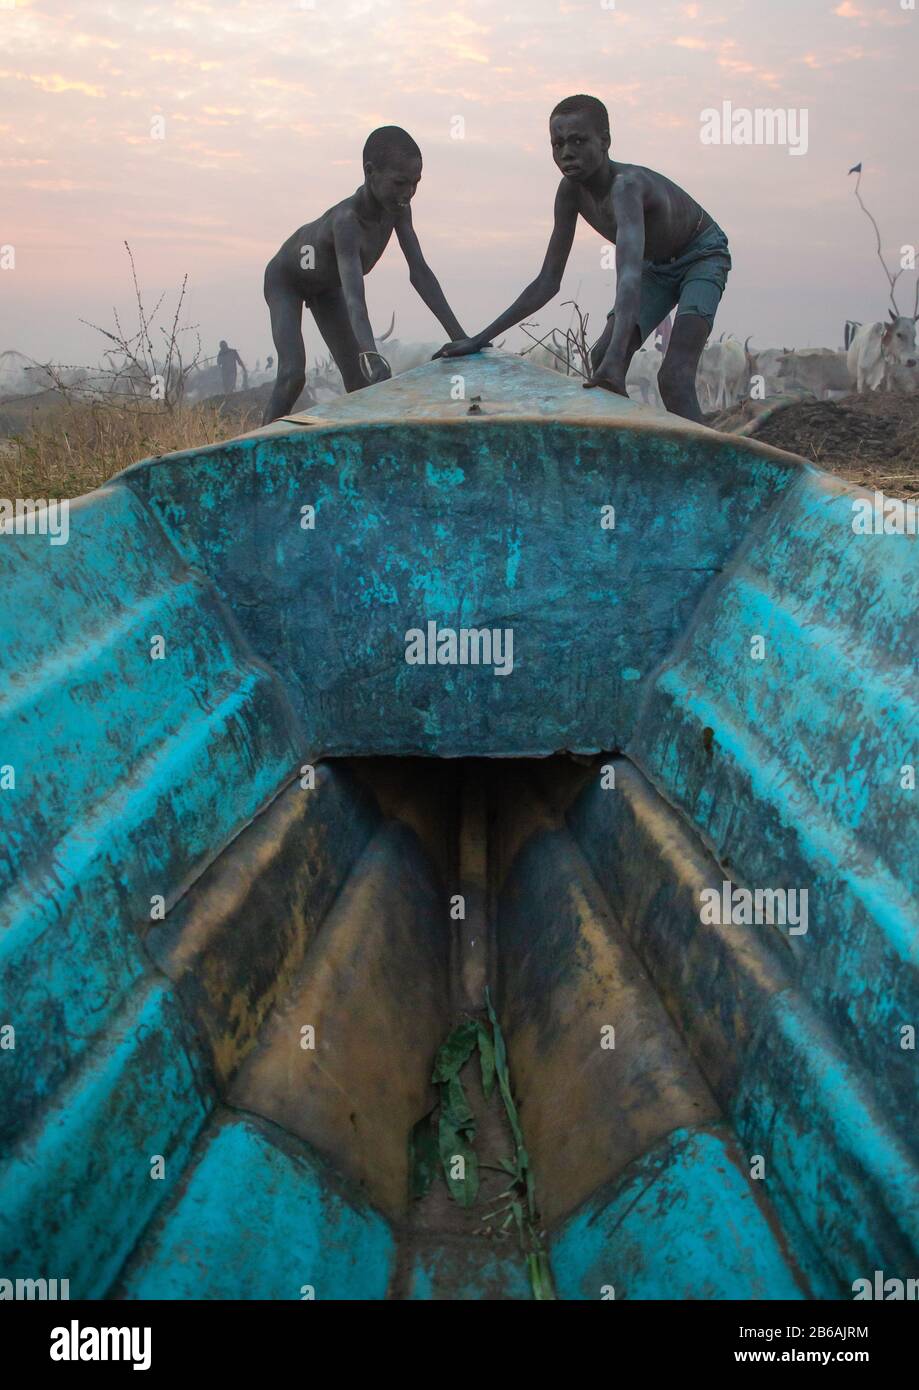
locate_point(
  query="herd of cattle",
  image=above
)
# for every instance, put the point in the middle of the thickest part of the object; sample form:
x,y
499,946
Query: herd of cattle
x,y
878,356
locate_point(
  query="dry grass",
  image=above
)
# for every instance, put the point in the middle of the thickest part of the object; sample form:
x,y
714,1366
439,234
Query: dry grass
x,y
81,445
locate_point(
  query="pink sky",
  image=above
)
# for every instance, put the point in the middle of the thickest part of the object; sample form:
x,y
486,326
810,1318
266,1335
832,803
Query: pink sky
x,y
267,104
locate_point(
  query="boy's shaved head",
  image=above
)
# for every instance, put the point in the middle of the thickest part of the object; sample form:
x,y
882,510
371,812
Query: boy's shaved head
x,y
392,167
590,107
389,143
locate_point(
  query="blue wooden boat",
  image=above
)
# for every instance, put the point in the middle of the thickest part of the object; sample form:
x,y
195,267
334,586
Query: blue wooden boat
x,y
256,863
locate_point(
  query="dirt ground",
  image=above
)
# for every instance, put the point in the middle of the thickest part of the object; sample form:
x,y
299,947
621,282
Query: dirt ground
x,y
872,440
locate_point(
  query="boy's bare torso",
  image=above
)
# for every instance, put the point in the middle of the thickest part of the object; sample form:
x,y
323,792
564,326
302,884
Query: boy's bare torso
x,y
672,218
322,274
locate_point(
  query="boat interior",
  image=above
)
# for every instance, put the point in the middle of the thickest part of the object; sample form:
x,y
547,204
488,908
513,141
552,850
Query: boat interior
x,y
256,866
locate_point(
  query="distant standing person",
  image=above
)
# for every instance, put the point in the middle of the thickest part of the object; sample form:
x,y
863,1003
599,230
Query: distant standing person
x,y
227,358
324,263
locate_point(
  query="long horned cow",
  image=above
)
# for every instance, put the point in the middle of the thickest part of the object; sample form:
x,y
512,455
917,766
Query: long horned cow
x,y
402,357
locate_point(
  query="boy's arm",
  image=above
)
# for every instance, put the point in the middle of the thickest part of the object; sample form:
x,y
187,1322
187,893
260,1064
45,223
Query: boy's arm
x,y
547,283
346,234
629,207
422,277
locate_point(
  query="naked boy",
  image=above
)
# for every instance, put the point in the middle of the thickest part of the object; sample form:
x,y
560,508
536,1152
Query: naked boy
x,y
669,252
324,263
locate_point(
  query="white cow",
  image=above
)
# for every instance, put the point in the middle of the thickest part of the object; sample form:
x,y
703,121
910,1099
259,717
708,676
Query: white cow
x,y
903,378
708,376
818,372
733,374
541,357
723,373
642,375
878,349
764,364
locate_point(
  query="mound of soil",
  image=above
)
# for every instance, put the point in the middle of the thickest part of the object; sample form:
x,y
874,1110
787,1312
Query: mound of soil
x,y
872,439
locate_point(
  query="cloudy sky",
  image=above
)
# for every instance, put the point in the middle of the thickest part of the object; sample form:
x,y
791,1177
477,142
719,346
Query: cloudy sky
x,y
265,105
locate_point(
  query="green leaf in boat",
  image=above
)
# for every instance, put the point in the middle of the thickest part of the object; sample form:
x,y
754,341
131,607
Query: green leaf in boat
x,y
424,1156
456,1051
540,1276
455,1108
462,1178
486,1060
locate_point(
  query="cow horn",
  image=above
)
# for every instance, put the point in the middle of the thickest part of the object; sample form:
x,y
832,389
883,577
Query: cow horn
x,y
392,324
893,316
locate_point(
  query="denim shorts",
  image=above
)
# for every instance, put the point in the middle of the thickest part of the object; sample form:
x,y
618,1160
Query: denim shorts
x,y
694,282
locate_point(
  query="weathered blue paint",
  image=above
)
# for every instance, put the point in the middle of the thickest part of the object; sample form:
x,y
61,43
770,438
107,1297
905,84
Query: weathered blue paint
x,y
135,777
131,774
801,784
261,1218
845,1185
683,1223
482,521
79,1187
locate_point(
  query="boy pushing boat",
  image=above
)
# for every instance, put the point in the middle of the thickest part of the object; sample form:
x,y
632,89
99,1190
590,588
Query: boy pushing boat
x,y
669,252
323,264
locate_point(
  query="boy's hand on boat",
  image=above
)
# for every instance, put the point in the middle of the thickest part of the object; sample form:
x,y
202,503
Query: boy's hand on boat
x,y
463,347
607,383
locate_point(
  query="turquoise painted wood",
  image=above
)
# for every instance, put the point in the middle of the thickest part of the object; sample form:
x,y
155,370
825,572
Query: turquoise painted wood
x,y
220,620
646,1240
260,1218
